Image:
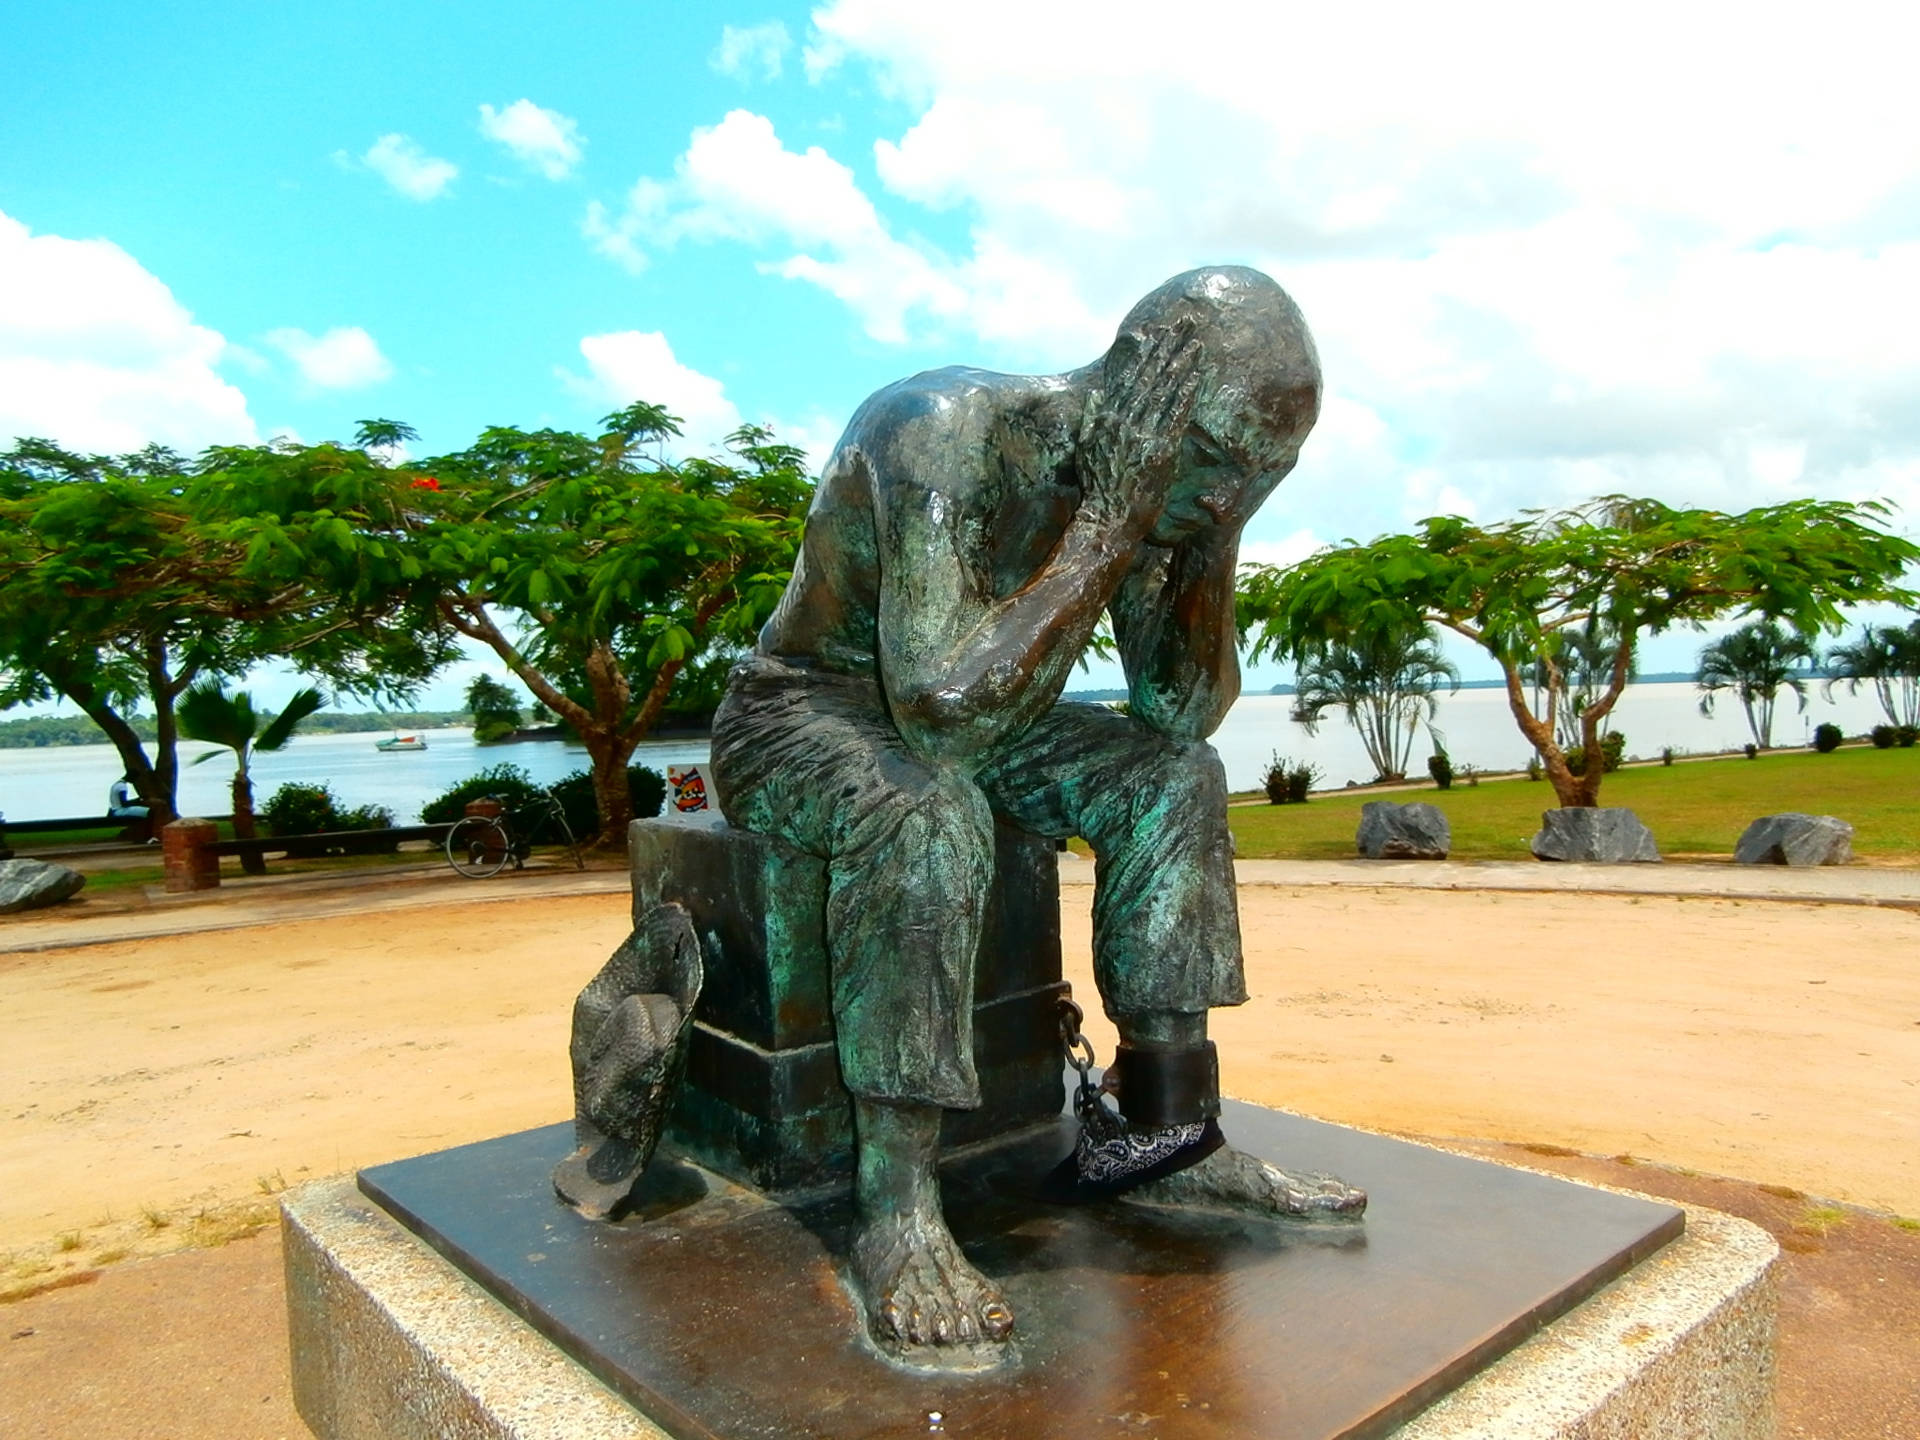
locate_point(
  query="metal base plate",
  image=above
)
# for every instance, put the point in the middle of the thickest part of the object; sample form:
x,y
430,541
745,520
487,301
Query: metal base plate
x,y
719,1313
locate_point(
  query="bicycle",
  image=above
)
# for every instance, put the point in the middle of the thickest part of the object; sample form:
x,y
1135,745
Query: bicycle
x,y
479,846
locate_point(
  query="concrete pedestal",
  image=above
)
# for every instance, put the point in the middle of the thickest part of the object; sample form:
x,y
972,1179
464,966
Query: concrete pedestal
x,y
1131,1324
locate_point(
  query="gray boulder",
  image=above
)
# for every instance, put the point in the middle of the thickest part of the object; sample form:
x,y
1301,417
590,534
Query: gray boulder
x,y
1416,831
1600,836
1795,839
29,884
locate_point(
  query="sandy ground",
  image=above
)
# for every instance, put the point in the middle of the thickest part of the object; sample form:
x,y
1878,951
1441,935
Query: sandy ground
x,y
157,1092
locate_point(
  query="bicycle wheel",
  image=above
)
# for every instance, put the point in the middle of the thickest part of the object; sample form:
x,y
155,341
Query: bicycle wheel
x,y
478,847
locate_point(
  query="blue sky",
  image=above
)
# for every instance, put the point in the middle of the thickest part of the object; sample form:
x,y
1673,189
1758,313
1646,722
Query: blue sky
x,y
1676,253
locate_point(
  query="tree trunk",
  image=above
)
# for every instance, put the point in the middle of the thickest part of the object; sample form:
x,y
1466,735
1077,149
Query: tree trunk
x,y
251,861
156,790
611,797
1567,787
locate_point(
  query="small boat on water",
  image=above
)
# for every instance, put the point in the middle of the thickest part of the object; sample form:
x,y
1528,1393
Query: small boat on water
x,y
400,742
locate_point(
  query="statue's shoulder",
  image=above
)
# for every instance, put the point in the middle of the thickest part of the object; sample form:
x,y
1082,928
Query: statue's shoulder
x,y
948,401
914,431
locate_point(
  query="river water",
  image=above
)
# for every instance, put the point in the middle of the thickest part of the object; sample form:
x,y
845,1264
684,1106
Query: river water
x,y
72,780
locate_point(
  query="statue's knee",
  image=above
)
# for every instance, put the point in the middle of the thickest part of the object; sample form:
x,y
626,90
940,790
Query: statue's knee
x,y
948,818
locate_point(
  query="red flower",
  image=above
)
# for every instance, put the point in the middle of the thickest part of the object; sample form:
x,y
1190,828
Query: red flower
x,y
426,482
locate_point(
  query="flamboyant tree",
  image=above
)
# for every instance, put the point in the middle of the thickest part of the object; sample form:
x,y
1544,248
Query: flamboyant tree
x,y
1620,567
117,591
597,570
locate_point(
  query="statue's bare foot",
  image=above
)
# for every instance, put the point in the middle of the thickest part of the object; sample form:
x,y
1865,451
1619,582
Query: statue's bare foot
x,y
1229,1179
925,1304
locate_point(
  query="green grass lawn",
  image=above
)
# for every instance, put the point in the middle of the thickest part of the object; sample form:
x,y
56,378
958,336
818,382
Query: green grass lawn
x,y
1693,808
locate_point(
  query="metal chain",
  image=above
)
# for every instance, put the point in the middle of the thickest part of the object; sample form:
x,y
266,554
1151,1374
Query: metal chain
x,y
1079,1051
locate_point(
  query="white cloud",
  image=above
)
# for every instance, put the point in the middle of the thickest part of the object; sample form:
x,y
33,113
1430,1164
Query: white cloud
x,y
97,355
629,365
544,140
751,52
409,169
1546,257
345,358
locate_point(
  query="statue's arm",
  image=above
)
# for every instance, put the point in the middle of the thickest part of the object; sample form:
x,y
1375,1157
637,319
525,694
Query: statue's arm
x,y
1173,620
961,668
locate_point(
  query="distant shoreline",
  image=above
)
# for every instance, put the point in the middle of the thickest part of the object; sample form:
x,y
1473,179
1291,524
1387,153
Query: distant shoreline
x,y
43,732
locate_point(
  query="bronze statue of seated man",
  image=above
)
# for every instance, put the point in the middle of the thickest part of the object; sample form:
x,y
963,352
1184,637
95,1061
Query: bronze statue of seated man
x,y
967,536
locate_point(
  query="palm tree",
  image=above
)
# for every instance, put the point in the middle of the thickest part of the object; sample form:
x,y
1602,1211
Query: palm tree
x,y
208,713
1888,658
1754,662
1383,681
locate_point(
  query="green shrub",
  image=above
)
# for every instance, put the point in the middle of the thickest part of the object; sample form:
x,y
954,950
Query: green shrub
x,y
491,730
1441,769
1905,735
1274,781
1827,737
1883,737
646,788
298,809
1300,781
512,786
1613,749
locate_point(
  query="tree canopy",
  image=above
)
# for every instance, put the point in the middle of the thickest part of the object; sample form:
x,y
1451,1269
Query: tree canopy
x,y
1620,567
598,571
119,589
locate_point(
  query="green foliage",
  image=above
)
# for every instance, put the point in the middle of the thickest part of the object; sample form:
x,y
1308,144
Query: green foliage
x,y
509,784
1906,735
1613,750
1887,658
1827,737
302,809
1440,767
599,572
1754,662
646,792
1287,783
123,580
1882,737
495,710
1274,780
1615,566
1384,680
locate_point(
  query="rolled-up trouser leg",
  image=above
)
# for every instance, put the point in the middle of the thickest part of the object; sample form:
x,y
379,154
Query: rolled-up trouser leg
x,y
813,759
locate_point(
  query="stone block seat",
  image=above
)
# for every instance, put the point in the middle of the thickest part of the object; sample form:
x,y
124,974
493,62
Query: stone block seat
x,y
763,1102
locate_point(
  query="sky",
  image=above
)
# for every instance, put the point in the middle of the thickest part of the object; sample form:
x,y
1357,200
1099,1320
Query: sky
x,y
1547,252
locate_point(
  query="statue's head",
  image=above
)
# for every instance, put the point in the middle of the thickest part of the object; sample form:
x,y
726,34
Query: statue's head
x,y
1259,390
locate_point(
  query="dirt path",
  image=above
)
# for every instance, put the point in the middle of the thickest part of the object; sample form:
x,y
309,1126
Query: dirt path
x,y
156,1091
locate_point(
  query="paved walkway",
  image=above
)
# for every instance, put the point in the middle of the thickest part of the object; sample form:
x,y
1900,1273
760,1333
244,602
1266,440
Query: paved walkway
x,y
273,899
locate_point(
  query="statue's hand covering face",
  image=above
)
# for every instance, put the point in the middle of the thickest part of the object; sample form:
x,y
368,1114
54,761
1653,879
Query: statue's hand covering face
x,y
1258,397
